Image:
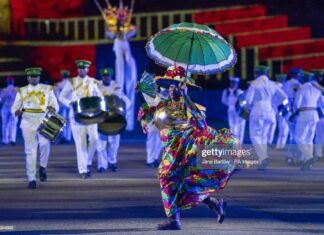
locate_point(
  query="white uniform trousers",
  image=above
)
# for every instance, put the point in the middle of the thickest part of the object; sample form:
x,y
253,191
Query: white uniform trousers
x,y
83,150
271,132
107,155
283,132
319,139
9,125
236,125
32,139
153,143
126,73
305,132
259,128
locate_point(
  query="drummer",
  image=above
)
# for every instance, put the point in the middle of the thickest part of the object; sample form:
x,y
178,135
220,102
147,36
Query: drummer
x,y
31,103
77,88
107,157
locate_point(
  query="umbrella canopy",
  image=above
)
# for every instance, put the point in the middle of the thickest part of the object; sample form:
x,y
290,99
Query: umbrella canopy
x,y
195,47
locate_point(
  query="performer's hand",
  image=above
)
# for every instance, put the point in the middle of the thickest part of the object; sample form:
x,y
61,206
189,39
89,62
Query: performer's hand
x,y
183,87
51,109
19,112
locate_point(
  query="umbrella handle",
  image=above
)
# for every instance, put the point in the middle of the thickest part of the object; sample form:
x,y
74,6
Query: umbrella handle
x,y
190,52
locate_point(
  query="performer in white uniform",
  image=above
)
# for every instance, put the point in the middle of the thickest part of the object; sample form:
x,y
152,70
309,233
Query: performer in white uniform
x,y
64,110
79,87
282,121
229,98
108,156
306,102
120,29
262,116
290,88
9,120
319,134
31,103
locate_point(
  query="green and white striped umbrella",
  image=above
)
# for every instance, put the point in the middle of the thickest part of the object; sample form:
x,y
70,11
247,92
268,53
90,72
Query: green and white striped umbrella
x,y
196,47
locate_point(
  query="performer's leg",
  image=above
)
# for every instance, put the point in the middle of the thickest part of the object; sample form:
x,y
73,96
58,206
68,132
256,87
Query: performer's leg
x,y
305,131
319,139
119,65
44,148
240,128
113,147
231,121
92,131
131,77
13,128
102,152
30,143
258,136
5,125
79,133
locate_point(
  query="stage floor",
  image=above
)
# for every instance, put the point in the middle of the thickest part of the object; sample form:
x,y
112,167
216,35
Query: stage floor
x,y
280,200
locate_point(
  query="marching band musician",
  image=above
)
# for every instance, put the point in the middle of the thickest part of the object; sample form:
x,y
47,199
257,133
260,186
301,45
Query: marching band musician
x,y
108,157
64,110
31,103
229,98
9,120
77,88
305,104
260,93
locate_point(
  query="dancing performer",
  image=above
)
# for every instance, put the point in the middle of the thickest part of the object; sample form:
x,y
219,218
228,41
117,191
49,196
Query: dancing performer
x,y
182,129
31,103
120,29
9,120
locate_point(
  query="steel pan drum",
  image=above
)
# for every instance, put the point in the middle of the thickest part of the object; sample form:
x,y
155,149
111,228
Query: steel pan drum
x,y
115,121
89,110
52,126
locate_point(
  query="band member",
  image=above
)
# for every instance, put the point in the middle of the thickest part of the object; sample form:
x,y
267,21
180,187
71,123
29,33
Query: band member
x,y
183,184
229,98
108,156
31,103
9,120
290,88
120,29
64,110
282,121
260,93
319,135
77,88
307,98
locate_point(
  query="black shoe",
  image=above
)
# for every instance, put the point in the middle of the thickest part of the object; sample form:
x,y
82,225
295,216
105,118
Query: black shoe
x,y
113,167
88,174
151,165
218,206
13,143
307,165
32,185
156,163
42,174
170,224
264,164
101,170
84,176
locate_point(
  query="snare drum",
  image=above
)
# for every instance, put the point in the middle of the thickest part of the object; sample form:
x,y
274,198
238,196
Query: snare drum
x,y
52,125
241,107
115,121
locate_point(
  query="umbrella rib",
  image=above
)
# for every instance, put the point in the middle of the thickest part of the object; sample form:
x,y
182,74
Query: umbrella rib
x,y
202,50
170,45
